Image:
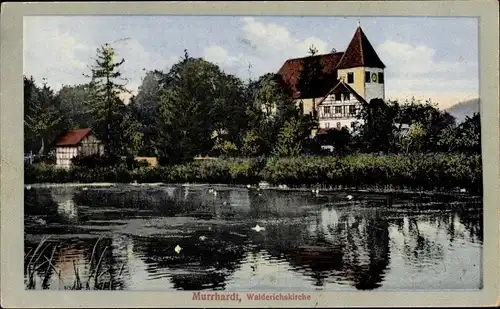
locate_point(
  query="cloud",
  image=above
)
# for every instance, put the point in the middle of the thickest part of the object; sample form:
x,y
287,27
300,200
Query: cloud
x,y
413,70
274,38
60,52
51,53
220,56
412,60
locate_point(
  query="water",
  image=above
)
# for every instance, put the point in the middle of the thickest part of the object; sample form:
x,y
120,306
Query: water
x,y
309,242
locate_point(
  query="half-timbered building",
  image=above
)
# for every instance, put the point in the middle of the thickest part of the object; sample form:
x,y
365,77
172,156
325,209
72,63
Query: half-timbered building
x,y
76,142
348,80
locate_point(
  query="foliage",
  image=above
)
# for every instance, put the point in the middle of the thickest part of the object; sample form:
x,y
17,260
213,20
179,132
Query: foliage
x,y
76,103
341,140
42,115
311,76
253,144
194,104
96,160
377,131
107,107
465,138
427,125
289,142
418,171
413,171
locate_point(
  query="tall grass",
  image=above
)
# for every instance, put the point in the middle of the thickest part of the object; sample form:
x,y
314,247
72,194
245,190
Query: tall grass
x,y
418,171
93,281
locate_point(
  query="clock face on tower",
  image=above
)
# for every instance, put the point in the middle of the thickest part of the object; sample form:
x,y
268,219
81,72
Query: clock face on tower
x,y
374,77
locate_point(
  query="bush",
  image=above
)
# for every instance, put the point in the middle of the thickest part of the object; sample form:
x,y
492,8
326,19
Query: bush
x,y
96,160
415,171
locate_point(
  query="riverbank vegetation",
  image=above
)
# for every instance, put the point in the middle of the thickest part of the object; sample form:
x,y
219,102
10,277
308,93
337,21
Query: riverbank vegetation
x,y
416,171
253,129
39,269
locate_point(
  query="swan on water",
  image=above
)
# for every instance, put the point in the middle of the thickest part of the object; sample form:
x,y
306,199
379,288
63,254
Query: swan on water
x,y
258,228
202,238
350,197
177,249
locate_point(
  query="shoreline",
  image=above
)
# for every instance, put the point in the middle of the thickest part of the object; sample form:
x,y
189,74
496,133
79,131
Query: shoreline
x,y
304,188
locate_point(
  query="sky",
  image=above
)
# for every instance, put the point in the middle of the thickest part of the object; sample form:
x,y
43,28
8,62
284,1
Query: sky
x,y
425,57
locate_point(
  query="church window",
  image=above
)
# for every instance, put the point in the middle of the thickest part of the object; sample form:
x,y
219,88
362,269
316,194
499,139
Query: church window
x,y
350,77
380,78
338,109
326,109
347,96
367,77
337,97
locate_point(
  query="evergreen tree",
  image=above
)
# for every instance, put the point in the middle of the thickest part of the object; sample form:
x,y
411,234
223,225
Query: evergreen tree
x,y
105,81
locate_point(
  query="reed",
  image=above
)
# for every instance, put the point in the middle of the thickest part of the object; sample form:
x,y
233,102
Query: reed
x,y
418,171
96,272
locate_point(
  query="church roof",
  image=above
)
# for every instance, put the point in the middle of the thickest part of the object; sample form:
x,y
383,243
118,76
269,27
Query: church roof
x,y
342,87
360,53
291,70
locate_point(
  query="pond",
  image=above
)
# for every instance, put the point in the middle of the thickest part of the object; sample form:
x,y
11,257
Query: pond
x,y
206,237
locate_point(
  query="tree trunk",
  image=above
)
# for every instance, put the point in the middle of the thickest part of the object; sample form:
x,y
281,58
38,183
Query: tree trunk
x,y
42,148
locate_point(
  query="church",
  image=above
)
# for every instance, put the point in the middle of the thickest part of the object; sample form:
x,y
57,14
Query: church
x,y
347,80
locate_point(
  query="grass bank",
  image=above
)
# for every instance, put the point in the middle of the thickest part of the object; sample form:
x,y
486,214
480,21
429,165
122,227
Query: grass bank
x,y
416,171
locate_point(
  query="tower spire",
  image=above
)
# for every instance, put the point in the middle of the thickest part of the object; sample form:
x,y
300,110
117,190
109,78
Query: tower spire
x,y
359,23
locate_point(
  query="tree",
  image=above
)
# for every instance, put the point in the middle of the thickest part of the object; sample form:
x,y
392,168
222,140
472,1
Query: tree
x,y
131,137
76,103
466,137
311,76
289,140
269,106
428,119
377,131
193,109
148,96
105,77
42,116
413,141
253,144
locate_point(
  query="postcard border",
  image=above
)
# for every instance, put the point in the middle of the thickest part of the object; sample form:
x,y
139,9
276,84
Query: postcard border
x,y
11,154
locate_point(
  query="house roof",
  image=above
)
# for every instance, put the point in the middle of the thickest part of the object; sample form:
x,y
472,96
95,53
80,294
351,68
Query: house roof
x,y
73,137
342,87
291,70
360,53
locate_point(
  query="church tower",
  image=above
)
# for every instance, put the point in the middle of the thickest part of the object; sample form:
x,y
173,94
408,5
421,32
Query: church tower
x,y
361,68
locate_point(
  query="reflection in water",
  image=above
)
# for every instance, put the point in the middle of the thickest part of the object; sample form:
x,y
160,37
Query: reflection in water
x,y
309,243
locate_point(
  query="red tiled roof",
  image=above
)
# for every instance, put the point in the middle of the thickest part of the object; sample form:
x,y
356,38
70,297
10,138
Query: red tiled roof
x,y
73,137
342,87
360,53
291,70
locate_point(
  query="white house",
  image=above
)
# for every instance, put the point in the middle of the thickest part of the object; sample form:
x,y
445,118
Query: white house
x,y
74,143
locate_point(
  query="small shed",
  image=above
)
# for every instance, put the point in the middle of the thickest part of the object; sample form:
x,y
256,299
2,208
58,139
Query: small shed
x,y
77,142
